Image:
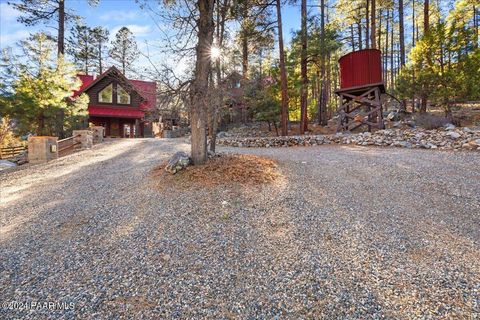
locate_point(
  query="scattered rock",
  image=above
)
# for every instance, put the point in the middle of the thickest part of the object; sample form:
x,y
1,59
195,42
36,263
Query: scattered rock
x,y
449,126
442,139
454,135
222,134
5,164
177,162
20,159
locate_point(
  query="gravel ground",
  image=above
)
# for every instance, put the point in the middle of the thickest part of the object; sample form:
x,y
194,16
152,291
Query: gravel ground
x,y
346,233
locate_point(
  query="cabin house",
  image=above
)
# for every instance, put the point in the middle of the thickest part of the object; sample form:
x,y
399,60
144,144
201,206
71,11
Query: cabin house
x,y
119,104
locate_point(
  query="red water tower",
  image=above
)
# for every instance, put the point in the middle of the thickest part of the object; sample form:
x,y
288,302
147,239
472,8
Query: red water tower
x,y
361,68
361,86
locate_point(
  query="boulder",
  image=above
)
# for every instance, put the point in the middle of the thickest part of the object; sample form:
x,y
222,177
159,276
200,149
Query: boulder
x,y
453,134
20,158
449,126
222,134
5,164
177,162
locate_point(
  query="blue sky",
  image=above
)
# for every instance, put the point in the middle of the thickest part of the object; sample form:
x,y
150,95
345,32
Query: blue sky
x,y
112,14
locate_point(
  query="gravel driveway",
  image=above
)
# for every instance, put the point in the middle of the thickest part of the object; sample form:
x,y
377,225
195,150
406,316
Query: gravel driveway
x,y
345,233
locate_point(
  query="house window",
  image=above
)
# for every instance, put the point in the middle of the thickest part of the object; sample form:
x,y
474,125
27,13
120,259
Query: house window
x,y
122,96
106,95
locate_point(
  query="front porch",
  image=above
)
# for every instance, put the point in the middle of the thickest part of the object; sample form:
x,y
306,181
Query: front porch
x,y
120,127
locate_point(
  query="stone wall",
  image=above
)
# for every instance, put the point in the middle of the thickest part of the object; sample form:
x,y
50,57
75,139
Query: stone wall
x,y
447,139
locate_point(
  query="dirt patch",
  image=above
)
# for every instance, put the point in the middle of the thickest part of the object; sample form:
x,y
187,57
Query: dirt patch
x,y
221,170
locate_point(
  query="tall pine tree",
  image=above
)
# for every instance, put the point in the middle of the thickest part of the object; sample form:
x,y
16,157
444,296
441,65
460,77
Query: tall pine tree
x,y
80,45
124,49
100,38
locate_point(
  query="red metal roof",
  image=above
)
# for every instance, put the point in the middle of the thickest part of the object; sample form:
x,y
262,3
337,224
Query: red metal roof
x,y
86,80
115,111
148,90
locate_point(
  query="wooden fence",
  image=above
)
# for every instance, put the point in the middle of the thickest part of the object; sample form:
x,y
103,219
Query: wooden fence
x,y
67,146
10,152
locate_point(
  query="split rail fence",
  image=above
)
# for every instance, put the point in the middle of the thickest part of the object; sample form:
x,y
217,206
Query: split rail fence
x,y
67,146
10,152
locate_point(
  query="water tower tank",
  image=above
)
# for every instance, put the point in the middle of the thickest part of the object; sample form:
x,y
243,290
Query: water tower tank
x,y
361,68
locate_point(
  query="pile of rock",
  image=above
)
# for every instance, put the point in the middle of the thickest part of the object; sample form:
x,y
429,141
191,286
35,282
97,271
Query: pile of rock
x,y
448,138
18,160
177,162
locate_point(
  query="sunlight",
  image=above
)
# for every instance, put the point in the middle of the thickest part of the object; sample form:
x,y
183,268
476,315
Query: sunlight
x,y
215,52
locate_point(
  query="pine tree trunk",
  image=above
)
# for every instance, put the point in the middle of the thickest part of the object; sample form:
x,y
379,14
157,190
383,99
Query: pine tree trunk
x,y
199,94
426,27
385,54
100,67
373,25
413,45
304,88
244,39
392,57
244,57
475,27
367,25
41,124
283,72
360,40
401,32
220,31
61,28
353,38
323,100
426,15
379,36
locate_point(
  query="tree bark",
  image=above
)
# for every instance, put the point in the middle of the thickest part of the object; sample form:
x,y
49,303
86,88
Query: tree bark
x,y
41,124
367,25
360,40
379,36
373,25
303,63
413,24
244,57
353,38
426,15
100,67
283,72
220,31
475,26
401,32
323,102
426,27
244,39
385,54
199,94
61,28
392,57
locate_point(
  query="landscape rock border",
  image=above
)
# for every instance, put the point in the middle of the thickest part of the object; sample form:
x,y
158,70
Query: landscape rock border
x,y
449,138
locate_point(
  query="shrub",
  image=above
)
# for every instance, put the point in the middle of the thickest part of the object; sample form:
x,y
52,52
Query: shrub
x,y
430,121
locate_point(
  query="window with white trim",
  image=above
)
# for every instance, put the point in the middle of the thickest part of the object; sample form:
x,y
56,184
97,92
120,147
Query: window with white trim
x,y
106,95
122,96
